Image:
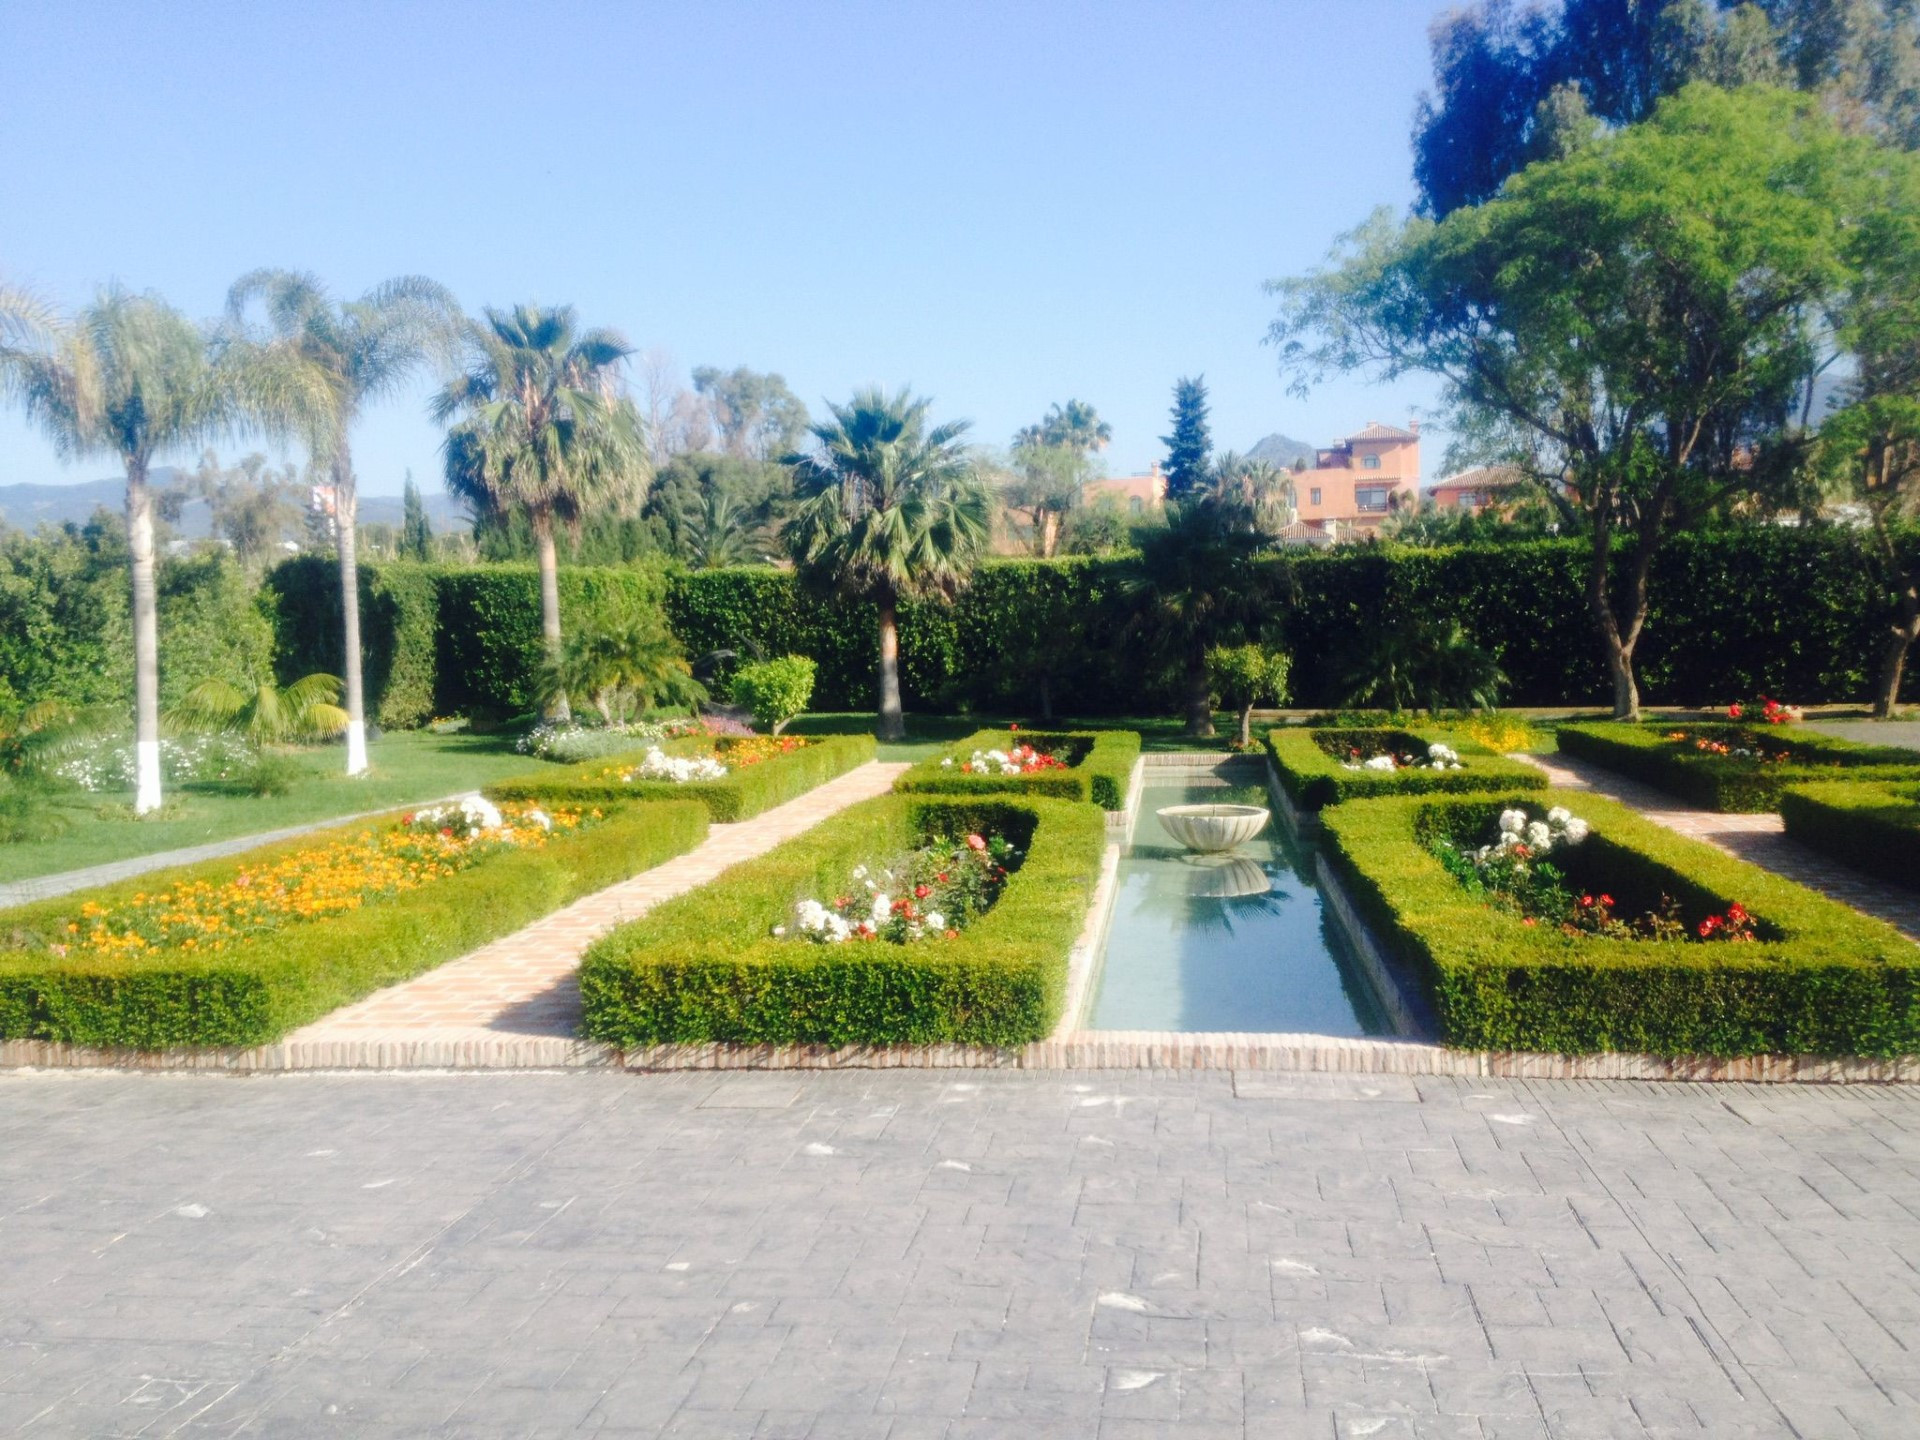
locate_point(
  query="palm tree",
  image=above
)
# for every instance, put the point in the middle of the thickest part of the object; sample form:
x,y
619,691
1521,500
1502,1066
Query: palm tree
x,y
1075,426
308,709
131,377
360,350
714,530
888,510
632,664
548,431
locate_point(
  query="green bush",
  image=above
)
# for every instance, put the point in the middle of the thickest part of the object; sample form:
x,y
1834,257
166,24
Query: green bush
x,y
705,967
744,793
399,632
1099,765
775,691
1731,783
266,986
1311,764
1824,980
1873,826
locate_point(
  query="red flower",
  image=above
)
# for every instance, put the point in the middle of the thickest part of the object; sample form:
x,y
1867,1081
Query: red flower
x,y
953,934
1013,729
1709,925
1607,900
1736,912
1526,920
920,892
974,842
1586,902
1733,712
446,832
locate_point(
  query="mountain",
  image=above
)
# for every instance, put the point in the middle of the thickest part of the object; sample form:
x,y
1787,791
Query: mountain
x,y
27,507
1278,449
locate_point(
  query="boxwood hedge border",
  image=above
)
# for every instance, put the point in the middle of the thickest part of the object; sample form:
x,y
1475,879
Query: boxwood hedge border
x,y
266,986
704,967
744,793
1874,826
1100,775
1833,983
1643,752
1314,780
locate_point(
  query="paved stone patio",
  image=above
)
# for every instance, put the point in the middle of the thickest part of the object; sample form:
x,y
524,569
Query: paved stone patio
x,y
523,985
908,1255
1760,839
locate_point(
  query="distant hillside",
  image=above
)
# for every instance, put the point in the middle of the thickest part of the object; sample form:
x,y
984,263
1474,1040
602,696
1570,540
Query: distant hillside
x,y
27,507
1278,449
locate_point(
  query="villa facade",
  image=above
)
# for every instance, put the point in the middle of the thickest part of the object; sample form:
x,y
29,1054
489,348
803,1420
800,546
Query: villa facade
x,y
1356,483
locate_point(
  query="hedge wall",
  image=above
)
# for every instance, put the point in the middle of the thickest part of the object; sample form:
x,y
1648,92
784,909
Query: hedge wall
x,y
1100,763
1313,779
1729,783
399,632
1791,612
1825,980
705,966
1872,826
264,987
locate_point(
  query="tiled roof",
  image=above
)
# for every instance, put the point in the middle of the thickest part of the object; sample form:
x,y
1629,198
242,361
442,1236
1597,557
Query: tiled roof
x,y
1376,431
1480,477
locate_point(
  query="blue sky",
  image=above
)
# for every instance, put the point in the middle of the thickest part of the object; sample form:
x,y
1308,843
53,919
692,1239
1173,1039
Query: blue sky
x,y
1004,205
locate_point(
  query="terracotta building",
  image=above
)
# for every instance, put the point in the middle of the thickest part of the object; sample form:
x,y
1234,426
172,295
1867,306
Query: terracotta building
x,y
1476,489
1136,494
1358,482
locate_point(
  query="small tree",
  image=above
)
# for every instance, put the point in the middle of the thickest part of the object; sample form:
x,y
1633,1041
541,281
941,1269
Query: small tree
x,y
416,530
775,691
1245,675
624,668
308,709
1190,446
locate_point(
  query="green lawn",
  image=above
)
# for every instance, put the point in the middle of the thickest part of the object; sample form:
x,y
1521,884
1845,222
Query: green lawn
x,y
407,766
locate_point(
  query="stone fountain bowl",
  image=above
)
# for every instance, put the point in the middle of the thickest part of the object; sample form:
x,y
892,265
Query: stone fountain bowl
x,y
1210,829
1227,877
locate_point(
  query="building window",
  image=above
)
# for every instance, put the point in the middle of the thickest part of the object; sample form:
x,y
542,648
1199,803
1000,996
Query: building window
x,y
1372,499
1136,505
1314,495
1467,499
1370,462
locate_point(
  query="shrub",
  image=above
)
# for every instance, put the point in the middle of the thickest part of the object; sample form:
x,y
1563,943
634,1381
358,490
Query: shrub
x,y
1245,675
1099,763
705,966
744,793
1873,826
1822,980
1312,763
775,691
399,631
1730,782
262,987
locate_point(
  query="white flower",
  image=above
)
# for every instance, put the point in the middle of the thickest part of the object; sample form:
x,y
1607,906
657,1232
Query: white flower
x,y
1380,762
1437,751
779,930
1539,836
859,872
947,764
1575,830
1559,815
1512,822
658,765
935,920
882,908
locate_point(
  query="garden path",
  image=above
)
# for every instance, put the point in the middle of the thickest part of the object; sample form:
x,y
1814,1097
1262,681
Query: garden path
x,y
1760,839
45,887
523,986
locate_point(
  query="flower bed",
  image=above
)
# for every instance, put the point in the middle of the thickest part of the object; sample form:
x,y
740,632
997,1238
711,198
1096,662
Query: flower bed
x,y
1321,767
1806,976
759,772
692,970
931,892
239,951
1065,764
1873,826
1729,767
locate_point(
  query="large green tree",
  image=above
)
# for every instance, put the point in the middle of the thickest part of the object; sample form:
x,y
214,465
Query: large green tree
x,y
757,416
888,509
1643,310
545,430
1075,425
359,351
132,378
1190,445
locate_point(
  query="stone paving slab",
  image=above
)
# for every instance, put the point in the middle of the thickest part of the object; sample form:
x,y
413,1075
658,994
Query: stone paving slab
x,y
1759,839
522,987
906,1255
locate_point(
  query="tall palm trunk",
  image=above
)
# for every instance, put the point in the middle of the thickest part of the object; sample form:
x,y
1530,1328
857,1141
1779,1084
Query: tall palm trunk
x,y
346,516
542,520
893,723
146,642
1199,698
1049,533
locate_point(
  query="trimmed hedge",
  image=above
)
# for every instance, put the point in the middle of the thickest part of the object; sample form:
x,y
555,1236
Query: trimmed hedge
x,y
704,967
1100,766
1824,980
1716,782
1873,826
744,792
269,985
399,632
1314,779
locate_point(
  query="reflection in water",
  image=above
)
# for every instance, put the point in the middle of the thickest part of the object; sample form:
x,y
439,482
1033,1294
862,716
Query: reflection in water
x,y
1224,942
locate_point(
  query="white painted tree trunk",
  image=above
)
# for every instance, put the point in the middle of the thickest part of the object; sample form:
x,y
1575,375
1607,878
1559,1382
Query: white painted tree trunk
x,y
146,643
346,514
561,710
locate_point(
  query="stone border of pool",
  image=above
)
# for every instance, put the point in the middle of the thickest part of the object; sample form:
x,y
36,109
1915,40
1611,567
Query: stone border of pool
x,y
1069,1048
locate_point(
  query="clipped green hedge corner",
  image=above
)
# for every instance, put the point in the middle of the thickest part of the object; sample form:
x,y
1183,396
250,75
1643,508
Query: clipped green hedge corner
x,y
1825,979
1099,765
705,966
1645,753
744,793
1315,779
259,990
1873,826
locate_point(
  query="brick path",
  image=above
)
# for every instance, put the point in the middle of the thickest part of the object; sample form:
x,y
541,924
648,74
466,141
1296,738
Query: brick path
x,y
1758,839
524,984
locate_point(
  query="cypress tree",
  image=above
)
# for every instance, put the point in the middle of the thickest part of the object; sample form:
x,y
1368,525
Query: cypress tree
x,y
1190,446
416,531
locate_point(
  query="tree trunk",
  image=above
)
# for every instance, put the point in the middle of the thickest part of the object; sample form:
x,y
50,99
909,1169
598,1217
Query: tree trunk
x,y
146,642
346,519
1619,639
542,521
1049,533
1199,700
1246,726
1893,660
893,723
1046,696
